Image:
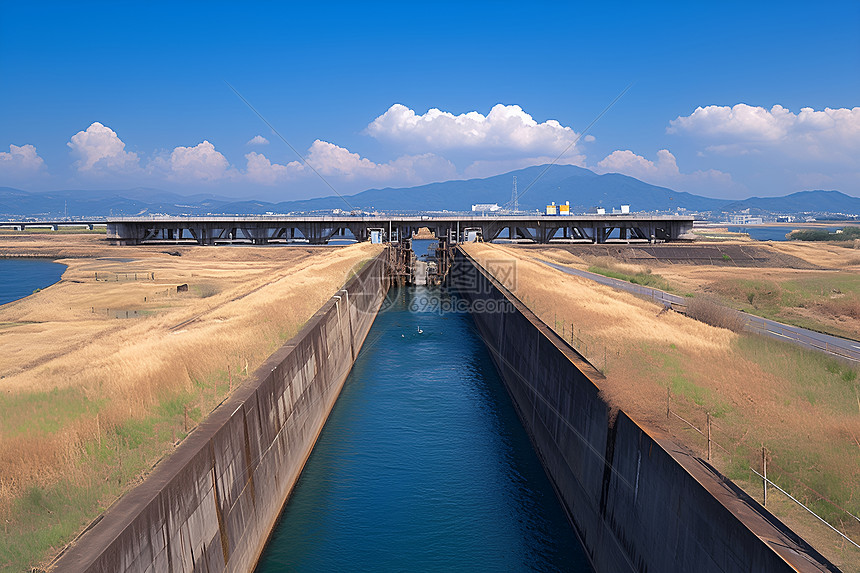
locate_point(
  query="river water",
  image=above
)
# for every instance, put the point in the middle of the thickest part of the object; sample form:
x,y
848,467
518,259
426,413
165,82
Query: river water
x,y
20,277
423,464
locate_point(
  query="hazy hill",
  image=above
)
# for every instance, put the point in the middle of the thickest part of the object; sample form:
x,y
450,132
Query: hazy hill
x,y
800,202
584,189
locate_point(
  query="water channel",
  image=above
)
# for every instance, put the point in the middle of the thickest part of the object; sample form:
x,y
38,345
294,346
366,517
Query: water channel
x,y
423,464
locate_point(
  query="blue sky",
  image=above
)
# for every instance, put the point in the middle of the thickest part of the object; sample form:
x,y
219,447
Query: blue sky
x,y
121,95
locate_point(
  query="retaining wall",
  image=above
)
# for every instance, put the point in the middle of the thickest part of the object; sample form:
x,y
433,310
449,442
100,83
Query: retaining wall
x,y
634,505
211,505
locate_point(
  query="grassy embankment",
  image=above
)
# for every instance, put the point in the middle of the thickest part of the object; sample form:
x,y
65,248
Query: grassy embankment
x,y
802,406
821,300
635,274
91,402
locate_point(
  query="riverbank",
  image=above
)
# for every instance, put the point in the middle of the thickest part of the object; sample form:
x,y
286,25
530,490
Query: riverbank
x,y
801,406
92,399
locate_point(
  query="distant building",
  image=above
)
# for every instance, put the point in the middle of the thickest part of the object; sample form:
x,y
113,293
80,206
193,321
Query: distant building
x,y
746,219
485,207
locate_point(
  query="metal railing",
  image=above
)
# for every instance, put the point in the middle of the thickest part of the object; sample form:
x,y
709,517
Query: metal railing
x,y
766,461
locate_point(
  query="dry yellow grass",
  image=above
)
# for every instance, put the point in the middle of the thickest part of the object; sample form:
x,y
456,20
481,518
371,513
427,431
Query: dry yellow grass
x,y
756,393
822,253
826,300
72,375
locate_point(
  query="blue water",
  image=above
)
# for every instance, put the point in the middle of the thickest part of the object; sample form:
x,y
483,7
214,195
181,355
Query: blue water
x,y
20,277
423,464
421,247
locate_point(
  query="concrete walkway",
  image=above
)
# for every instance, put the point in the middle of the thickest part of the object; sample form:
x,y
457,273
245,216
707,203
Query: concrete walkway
x,y
843,348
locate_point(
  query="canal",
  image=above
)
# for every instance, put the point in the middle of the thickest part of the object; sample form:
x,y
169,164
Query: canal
x,y
423,464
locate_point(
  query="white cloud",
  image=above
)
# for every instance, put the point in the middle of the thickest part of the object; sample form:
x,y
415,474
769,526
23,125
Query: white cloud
x,y
258,140
332,160
831,134
506,130
338,163
20,160
626,162
99,149
260,170
664,171
201,163
423,168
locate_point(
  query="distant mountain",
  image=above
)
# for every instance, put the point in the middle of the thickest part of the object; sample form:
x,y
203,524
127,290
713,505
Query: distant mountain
x,y
800,202
80,203
584,189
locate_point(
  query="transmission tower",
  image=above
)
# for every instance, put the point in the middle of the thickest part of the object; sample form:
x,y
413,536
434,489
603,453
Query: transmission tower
x,y
514,199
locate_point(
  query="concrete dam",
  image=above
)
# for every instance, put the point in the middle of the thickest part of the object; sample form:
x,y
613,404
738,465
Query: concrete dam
x,y
632,501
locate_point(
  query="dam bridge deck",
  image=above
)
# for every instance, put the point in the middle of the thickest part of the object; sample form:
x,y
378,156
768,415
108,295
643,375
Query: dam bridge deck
x,y
261,230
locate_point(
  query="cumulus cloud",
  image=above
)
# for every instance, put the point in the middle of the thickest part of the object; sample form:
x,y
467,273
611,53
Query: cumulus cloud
x,y
338,163
507,129
332,160
99,149
20,160
258,140
201,163
663,171
260,170
831,134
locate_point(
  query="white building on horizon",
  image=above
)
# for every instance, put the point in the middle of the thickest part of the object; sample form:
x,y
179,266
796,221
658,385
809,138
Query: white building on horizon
x,y
485,207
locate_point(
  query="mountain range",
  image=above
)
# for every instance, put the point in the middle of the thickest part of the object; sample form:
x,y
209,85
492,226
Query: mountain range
x,y
538,186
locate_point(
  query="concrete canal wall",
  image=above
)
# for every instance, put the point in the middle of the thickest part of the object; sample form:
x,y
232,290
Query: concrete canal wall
x,y
637,502
211,505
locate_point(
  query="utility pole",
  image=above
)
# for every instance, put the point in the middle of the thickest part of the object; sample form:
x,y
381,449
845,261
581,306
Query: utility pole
x,y
514,198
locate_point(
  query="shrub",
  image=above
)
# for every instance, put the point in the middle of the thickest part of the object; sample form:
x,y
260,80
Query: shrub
x,y
707,310
847,234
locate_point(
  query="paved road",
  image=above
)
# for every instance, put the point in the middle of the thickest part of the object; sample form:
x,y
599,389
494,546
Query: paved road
x,y
833,345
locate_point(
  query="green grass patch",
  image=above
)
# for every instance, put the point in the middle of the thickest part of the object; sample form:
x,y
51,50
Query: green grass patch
x,y
44,412
645,279
827,294
813,377
43,519
848,233
671,372
204,290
